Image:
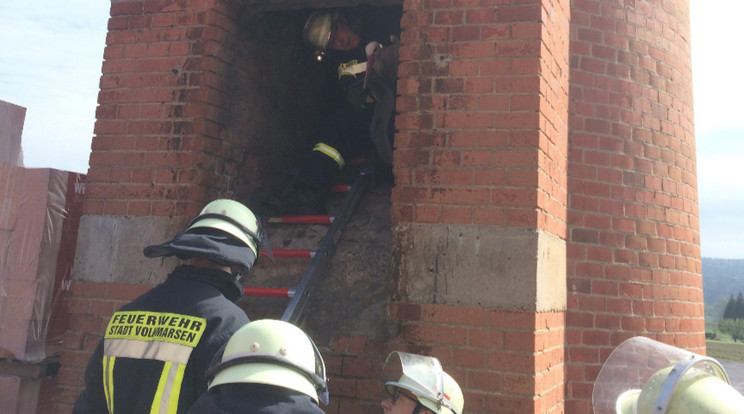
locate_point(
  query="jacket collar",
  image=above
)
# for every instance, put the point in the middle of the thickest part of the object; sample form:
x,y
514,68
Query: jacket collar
x,y
226,283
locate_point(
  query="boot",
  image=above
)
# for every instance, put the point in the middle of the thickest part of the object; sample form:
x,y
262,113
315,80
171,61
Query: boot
x,y
309,189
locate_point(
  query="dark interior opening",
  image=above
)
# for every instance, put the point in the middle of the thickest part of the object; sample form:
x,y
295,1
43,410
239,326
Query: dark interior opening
x,y
278,97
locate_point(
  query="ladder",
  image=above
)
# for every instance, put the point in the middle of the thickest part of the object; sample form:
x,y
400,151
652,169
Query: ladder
x,y
322,255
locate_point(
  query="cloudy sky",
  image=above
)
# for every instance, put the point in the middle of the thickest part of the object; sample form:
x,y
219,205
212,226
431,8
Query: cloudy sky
x,y
50,63
717,37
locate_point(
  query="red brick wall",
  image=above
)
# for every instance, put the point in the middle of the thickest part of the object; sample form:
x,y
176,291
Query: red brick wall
x,y
354,366
505,361
477,143
156,149
185,89
198,100
491,135
90,305
483,141
633,255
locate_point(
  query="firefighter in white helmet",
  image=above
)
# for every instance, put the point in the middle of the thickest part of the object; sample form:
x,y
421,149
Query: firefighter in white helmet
x,y
359,121
416,384
156,349
269,367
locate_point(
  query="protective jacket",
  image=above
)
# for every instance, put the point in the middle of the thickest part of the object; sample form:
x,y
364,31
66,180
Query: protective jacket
x,y
345,130
254,399
156,348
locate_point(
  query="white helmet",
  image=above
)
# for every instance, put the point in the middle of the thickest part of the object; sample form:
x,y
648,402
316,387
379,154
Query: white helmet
x,y
275,353
232,218
423,376
238,244
318,28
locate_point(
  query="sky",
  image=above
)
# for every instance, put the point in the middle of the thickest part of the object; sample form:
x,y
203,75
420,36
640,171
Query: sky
x,y
718,93
50,63
52,51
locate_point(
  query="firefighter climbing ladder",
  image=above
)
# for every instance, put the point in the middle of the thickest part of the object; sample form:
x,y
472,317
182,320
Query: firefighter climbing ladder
x,y
322,256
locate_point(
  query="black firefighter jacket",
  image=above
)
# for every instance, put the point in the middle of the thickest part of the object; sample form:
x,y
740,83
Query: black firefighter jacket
x,y
254,399
157,348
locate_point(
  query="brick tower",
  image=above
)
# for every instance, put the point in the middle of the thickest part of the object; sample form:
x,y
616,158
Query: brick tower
x,y
545,206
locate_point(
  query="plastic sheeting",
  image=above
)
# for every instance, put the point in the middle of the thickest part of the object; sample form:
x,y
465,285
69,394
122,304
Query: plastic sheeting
x,y
40,213
19,395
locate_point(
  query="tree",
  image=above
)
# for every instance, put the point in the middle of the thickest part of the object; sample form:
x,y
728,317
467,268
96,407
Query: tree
x,y
733,327
728,312
739,306
735,307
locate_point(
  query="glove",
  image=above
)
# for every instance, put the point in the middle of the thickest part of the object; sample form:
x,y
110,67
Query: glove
x,y
385,59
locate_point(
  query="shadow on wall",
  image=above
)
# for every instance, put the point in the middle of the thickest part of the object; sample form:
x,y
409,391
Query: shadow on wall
x,y
274,102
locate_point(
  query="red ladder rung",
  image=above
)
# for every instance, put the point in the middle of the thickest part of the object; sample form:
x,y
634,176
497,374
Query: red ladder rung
x,y
341,188
309,219
268,292
290,253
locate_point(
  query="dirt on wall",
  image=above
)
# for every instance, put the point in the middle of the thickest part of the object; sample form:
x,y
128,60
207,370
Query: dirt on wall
x,y
352,297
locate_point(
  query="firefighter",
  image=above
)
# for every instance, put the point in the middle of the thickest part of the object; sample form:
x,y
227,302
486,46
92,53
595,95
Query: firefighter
x,y
157,348
416,384
268,366
360,120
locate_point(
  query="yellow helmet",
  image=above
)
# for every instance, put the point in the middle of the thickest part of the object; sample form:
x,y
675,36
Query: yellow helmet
x,y
232,218
423,376
237,244
643,376
275,353
696,391
318,28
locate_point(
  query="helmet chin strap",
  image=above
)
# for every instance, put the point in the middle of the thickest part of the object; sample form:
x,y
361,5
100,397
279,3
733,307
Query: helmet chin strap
x,y
418,408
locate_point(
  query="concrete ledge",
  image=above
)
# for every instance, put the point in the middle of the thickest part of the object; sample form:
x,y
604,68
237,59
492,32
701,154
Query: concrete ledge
x,y
519,269
110,248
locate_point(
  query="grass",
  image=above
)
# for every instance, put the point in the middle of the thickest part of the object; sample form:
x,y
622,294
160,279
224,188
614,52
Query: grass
x,y
720,336
723,346
725,350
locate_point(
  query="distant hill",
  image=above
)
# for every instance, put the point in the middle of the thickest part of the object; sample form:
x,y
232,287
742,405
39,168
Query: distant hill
x,y
721,279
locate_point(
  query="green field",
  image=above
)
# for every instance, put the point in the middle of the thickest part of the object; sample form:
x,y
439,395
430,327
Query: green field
x,y
725,350
720,336
723,346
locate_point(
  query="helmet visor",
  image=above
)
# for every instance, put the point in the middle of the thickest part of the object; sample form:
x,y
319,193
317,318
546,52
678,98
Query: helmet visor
x,y
631,365
419,374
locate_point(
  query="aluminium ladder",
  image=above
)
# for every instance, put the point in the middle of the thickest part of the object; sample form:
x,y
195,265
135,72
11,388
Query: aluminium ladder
x,y
321,257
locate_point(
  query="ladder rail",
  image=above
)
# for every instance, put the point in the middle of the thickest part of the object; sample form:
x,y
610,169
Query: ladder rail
x,y
326,249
